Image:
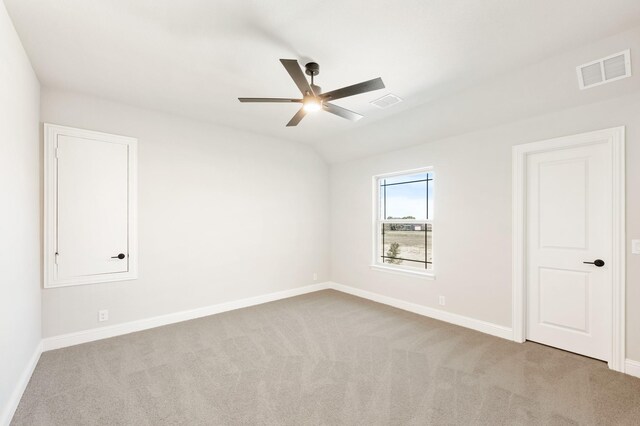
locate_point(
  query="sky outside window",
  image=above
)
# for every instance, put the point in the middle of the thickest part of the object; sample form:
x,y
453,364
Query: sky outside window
x,y
404,196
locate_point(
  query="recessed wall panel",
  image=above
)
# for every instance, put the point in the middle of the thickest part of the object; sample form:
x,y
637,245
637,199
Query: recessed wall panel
x,y
564,299
563,204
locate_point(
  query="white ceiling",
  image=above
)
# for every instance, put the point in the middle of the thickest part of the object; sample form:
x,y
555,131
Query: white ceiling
x,y
195,57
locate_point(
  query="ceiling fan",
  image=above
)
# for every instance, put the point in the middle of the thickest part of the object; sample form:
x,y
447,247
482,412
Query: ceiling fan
x,y
312,97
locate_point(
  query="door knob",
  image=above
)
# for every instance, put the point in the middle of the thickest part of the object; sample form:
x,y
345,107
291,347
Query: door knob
x,y
598,262
120,256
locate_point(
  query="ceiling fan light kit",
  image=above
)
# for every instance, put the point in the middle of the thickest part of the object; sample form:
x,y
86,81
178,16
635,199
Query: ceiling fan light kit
x,y
312,97
312,104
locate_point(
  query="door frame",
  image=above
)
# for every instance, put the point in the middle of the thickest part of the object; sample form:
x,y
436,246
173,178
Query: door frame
x,y
616,142
50,236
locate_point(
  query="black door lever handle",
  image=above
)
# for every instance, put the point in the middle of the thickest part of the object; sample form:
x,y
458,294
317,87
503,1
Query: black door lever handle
x,y
598,262
120,256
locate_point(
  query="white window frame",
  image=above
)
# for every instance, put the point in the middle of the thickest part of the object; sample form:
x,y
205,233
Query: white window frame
x,y
377,222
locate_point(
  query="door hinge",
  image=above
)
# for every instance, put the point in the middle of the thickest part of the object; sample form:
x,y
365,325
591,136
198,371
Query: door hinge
x,y
56,258
57,152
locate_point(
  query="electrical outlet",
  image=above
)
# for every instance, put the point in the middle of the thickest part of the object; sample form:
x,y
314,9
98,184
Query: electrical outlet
x,y
103,315
315,276
441,300
635,246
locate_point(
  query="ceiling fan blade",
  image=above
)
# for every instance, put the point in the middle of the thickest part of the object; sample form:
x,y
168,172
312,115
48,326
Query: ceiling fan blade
x,y
342,112
297,118
356,89
269,100
294,70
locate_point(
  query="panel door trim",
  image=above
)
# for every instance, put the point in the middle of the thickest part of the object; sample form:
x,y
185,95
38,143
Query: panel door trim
x,y
51,133
616,141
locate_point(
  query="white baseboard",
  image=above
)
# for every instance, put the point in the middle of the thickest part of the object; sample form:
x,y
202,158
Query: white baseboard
x,y
474,324
632,367
71,339
9,410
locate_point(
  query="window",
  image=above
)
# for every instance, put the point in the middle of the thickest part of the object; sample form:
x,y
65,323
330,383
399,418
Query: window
x,y
403,225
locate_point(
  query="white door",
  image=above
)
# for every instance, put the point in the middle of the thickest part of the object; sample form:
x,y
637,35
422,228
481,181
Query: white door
x,y
92,207
569,222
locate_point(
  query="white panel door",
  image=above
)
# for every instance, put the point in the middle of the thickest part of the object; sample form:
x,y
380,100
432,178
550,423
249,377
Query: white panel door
x,y
92,207
569,222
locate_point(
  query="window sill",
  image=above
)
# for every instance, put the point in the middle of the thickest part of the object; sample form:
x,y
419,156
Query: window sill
x,y
391,270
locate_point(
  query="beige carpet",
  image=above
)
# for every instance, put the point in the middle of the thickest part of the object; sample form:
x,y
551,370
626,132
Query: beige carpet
x,y
322,358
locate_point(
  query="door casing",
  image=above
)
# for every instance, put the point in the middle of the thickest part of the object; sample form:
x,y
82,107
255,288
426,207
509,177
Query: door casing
x,y
615,138
51,133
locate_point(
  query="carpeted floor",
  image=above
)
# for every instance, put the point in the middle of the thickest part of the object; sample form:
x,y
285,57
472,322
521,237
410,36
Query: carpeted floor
x,y
322,358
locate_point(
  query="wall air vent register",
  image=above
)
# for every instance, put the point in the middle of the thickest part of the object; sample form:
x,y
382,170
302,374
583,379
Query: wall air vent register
x,y
605,70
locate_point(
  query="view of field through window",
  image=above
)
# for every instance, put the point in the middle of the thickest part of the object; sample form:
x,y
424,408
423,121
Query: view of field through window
x,y
405,213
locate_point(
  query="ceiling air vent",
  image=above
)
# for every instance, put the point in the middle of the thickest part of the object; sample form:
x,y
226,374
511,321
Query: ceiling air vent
x,y
605,70
386,101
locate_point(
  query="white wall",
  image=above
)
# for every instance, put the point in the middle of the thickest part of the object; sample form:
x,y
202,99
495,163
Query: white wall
x,y
19,216
472,230
223,215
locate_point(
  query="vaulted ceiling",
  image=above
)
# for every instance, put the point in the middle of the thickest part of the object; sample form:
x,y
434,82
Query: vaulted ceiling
x,y
195,57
